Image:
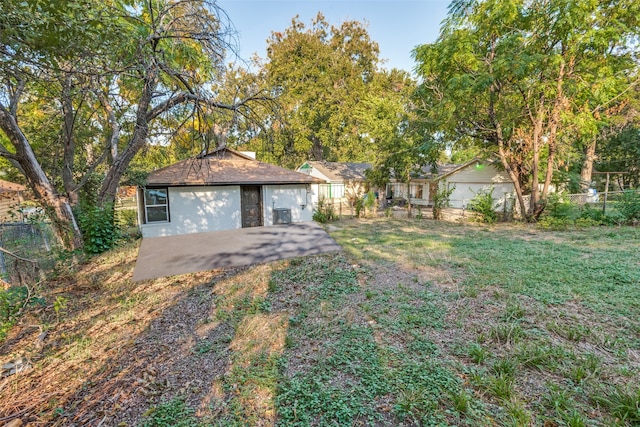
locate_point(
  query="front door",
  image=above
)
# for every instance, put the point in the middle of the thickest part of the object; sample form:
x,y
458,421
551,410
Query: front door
x,y
251,206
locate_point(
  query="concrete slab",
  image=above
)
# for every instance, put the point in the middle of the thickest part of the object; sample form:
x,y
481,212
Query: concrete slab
x,y
190,253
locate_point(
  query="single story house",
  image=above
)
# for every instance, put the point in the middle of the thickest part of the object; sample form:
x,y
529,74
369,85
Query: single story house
x,y
342,181
467,180
222,190
12,195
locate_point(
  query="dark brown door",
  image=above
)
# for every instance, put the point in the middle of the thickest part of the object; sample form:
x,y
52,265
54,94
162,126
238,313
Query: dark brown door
x,y
251,206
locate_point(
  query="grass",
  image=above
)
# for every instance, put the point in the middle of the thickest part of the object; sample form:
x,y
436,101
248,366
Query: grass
x,y
415,323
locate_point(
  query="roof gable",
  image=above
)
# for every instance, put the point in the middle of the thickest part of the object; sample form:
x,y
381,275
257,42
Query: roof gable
x,y
446,170
340,171
225,167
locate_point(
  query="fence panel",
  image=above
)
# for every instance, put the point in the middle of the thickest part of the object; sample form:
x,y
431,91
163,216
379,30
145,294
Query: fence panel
x,y
34,242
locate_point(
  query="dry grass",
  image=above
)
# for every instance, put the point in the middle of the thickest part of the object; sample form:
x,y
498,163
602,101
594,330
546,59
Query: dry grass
x,y
418,322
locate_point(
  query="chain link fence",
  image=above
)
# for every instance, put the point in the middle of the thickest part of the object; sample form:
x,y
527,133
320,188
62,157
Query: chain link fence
x,y
33,246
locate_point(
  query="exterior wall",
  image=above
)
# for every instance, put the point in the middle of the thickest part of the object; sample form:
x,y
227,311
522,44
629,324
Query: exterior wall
x,y
9,202
478,177
198,210
317,174
293,197
400,191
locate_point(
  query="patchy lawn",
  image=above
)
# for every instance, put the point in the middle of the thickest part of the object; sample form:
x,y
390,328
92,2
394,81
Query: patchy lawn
x,y
415,323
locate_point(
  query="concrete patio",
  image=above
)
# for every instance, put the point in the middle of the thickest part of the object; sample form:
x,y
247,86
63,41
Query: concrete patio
x,y
190,253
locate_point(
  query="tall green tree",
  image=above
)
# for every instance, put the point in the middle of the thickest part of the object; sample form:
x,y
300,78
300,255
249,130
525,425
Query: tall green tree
x,y
114,76
519,77
390,135
319,75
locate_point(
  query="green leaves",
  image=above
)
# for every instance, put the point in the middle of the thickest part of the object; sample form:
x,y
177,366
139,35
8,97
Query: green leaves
x,y
527,80
321,73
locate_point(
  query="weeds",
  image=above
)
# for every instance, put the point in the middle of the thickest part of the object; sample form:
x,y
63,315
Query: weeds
x,y
174,413
623,403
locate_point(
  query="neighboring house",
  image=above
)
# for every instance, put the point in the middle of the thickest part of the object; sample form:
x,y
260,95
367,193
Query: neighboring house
x,y
468,179
343,182
11,197
222,190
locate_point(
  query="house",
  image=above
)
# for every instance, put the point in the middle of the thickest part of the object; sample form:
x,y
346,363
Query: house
x,y
222,190
343,182
12,195
466,180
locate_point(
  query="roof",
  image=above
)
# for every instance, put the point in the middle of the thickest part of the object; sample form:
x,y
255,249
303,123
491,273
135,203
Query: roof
x,y
445,170
7,187
226,167
337,171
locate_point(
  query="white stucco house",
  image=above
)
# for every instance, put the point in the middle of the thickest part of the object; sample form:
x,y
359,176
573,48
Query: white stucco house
x,y
223,190
341,180
467,180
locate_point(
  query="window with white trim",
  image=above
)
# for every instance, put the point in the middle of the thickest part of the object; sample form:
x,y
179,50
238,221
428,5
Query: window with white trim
x,y
156,205
331,191
416,191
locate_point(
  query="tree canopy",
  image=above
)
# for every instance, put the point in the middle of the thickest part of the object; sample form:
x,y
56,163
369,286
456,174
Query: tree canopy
x,y
529,82
87,85
319,75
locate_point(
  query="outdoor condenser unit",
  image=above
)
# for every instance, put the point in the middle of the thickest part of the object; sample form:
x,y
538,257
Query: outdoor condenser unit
x,y
282,216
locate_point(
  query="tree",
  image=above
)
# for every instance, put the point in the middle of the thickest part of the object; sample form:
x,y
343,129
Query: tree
x,y
35,39
386,122
157,56
319,75
520,77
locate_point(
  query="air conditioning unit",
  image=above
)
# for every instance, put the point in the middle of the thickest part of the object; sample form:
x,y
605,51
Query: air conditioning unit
x,y
281,216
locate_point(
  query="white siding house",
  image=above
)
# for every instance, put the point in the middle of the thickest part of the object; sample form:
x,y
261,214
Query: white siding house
x,y
474,177
222,190
343,182
467,180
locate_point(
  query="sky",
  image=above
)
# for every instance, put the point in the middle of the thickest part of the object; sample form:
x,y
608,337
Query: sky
x,y
396,25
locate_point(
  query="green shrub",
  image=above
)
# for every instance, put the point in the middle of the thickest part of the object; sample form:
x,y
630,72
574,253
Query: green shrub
x,y
99,229
549,222
587,222
629,206
592,214
388,212
127,218
441,199
482,203
370,202
557,207
12,301
359,205
324,212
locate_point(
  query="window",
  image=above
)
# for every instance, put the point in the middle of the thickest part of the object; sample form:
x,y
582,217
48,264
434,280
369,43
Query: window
x,y
156,205
396,190
331,191
416,191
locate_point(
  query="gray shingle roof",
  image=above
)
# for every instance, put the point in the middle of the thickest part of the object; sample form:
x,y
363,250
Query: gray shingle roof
x,y
337,171
226,167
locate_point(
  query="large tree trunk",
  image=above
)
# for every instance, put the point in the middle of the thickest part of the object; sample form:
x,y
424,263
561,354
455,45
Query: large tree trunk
x,y
504,158
515,178
68,142
587,165
58,209
409,210
109,188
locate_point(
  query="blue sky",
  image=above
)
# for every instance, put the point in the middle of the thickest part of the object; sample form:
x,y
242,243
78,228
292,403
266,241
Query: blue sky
x,y
397,26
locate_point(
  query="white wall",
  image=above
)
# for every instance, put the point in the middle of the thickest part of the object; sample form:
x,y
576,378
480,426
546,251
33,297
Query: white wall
x,y
317,174
288,197
478,177
197,210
